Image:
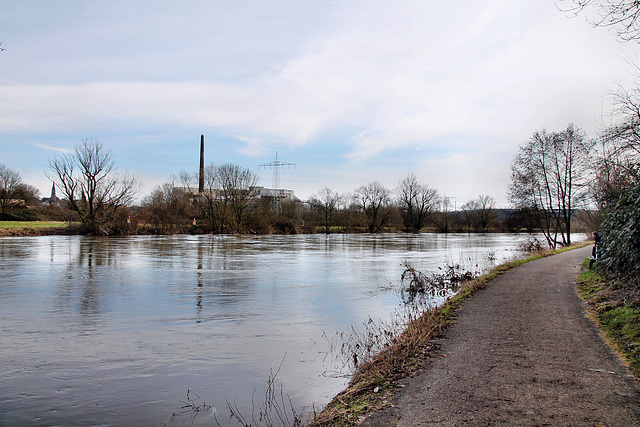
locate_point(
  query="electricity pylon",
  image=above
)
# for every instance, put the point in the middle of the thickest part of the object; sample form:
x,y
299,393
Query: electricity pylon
x,y
276,165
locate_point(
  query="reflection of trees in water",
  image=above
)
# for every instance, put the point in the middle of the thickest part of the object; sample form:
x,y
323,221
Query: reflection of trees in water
x,y
220,276
82,285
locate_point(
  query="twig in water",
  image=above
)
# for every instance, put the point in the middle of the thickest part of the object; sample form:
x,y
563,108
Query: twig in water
x,y
276,410
192,407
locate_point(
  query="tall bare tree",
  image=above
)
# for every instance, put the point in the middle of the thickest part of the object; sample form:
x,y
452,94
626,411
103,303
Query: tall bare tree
x,y
486,212
548,178
212,205
417,201
230,195
469,213
617,157
374,200
10,185
88,178
479,213
326,203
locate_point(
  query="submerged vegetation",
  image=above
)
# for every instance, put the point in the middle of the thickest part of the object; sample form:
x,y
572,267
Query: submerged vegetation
x,y
190,409
439,284
276,409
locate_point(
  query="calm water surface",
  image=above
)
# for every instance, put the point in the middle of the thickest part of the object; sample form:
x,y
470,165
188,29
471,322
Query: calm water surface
x,y
116,331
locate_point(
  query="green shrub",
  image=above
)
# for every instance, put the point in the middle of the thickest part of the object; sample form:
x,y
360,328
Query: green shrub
x,y
620,247
19,215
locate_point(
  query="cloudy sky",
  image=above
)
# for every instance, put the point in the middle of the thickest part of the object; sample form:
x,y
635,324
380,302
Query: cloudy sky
x,y
350,91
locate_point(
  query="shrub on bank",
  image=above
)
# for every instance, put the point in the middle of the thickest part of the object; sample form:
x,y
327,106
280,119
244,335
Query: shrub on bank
x,y
620,246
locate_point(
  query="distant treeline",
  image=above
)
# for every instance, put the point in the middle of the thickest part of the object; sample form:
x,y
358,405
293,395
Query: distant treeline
x,y
176,209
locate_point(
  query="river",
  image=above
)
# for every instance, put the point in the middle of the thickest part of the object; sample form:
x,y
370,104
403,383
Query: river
x,y
154,330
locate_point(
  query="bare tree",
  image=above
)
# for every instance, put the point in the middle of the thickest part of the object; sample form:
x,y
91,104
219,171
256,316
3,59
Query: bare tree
x,y
89,180
615,170
417,202
625,136
621,15
479,213
168,207
374,200
10,185
212,205
234,187
548,178
350,215
486,212
326,203
470,213
617,158
443,217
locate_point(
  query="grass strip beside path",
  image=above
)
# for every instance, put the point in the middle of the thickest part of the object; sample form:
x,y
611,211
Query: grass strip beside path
x,y
372,384
618,321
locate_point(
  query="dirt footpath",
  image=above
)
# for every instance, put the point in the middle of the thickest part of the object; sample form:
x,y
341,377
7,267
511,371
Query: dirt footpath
x,y
521,353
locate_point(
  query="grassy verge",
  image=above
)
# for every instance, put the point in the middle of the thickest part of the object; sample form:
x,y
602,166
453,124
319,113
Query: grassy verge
x,y
618,321
30,228
32,224
372,383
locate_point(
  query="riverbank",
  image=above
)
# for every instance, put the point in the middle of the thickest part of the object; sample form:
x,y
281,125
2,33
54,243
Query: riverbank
x,y
43,228
36,228
376,384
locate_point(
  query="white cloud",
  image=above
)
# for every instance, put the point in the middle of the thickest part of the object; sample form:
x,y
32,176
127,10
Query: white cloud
x,y
383,78
466,175
401,74
55,149
254,147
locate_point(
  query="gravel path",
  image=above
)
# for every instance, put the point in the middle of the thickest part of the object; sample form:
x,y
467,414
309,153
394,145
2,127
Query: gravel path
x,y
521,353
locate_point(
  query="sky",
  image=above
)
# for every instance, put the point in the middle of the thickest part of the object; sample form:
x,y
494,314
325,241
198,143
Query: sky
x,y
348,91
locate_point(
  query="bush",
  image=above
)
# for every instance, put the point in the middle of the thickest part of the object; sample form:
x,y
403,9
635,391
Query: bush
x,y
6,216
19,215
620,247
40,213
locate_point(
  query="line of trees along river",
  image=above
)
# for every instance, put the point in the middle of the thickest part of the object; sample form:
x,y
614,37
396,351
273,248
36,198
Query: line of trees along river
x,y
101,199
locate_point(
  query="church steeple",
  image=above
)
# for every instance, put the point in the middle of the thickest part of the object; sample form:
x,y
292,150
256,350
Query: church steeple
x,y
53,198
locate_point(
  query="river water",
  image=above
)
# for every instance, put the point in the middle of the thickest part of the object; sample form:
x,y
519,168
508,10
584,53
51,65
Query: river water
x,y
156,330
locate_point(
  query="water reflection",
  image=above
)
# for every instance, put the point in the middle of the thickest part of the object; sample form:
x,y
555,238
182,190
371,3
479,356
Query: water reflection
x,y
116,330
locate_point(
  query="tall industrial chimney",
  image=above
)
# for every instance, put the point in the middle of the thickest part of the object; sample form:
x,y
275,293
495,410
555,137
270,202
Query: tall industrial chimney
x,y
201,181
